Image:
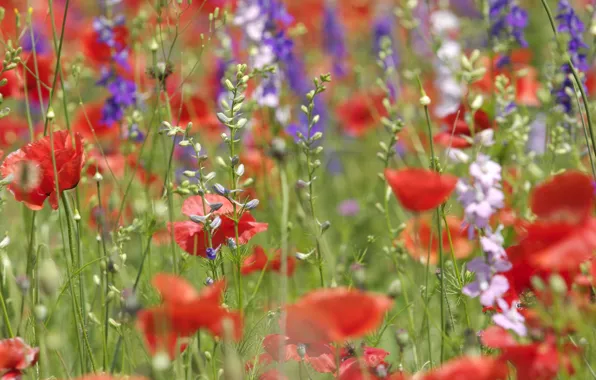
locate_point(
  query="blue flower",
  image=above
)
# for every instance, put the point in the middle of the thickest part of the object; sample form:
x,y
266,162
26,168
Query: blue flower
x,y
508,20
569,23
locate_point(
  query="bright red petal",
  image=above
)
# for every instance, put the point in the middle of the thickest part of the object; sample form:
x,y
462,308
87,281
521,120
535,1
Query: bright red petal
x,y
419,189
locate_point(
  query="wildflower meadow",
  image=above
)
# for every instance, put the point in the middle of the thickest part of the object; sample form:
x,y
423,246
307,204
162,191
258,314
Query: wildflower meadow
x,y
297,189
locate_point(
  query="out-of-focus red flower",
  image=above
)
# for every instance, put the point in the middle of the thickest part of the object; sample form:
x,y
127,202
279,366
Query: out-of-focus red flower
x,y
11,88
32,171
526,86
191,236
371,365
16,356
259,261
89,123
539,360
12,130
99,52
457,131
334,315
467,367
360,113
420,190
198,111
278,349
562,237
183,312
526,89
422,243
38,81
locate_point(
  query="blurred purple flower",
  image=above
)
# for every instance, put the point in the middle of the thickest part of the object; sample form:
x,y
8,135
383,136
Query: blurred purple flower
x,y
349,207
510,318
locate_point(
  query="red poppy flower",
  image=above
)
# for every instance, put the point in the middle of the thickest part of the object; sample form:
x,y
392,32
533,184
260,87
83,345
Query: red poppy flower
x,y
539,360
89,123
191,236
33,172
334,315
562,237
259,261
468,367
420,238
16,356
360,113
99,52
183,312
420,190
42,74
456,132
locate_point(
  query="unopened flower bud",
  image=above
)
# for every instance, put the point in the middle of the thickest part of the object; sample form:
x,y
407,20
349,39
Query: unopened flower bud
x,y
161,361
424,100
49,277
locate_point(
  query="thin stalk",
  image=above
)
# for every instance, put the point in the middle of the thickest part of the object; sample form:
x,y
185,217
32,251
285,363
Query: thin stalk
x,y
440,236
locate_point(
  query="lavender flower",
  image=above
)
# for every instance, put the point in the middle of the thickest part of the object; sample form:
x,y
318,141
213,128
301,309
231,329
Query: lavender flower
x,y
510,318
482,196
489,284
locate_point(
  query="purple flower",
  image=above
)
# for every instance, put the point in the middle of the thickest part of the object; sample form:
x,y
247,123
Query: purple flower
x,y
508,20
569,23
510,318
482,196
349,207
36,38
334,40
123,91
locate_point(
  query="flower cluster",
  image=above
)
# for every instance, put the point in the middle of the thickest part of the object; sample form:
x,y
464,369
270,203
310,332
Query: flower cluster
x,y
490,285
508,21
570,23
122,91
482,196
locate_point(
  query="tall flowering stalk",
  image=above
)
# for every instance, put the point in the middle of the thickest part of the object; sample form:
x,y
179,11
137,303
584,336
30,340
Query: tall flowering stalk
x,y
122,91
571,25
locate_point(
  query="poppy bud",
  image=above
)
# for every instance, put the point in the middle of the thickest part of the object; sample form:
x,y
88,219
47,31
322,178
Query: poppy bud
x,y
402,337
425,100
395,289
325,226
208,281
49,277
301,350
161,361
41,312
131,302
232,243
